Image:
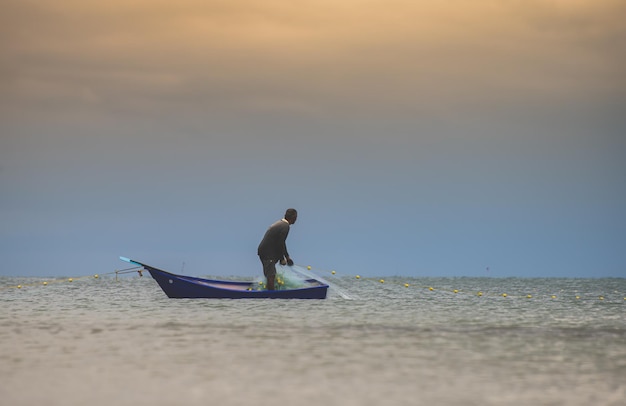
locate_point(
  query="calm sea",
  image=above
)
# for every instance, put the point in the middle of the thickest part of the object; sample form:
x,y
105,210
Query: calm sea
x,y
106,342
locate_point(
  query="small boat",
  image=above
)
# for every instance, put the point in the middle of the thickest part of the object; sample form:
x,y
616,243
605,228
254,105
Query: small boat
x,y
179,286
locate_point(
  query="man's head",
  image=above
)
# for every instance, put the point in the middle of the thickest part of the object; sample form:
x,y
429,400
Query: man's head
x,y
291,215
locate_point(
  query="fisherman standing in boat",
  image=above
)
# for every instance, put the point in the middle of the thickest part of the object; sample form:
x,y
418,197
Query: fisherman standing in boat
x,y
273,247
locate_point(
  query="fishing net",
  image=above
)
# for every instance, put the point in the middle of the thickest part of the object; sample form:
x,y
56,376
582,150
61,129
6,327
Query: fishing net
x,y
295,277
286,279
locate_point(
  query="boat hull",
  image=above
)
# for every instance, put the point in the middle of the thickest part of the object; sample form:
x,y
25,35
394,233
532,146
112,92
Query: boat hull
x,y
188,287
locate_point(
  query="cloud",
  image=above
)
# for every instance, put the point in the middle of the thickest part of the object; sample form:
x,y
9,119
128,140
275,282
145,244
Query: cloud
x,y
311,58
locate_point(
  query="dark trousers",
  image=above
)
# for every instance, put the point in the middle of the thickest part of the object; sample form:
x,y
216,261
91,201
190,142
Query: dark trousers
x,y
269,270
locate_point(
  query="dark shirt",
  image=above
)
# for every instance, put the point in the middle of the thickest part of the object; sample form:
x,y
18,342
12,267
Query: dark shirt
x,y
273,244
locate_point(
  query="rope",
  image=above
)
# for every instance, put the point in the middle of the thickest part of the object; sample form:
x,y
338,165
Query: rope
x,y
480,294
139,270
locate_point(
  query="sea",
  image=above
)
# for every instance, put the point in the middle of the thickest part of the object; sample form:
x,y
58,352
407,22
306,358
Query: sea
x,y
395,341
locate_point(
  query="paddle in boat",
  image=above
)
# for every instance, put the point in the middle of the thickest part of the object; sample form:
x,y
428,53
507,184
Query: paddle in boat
x,y
179,286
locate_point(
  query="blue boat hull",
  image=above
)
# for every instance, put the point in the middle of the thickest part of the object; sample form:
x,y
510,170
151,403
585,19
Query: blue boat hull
x,y
189,287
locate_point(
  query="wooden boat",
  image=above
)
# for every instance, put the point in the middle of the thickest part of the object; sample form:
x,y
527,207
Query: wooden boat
x,y
179,286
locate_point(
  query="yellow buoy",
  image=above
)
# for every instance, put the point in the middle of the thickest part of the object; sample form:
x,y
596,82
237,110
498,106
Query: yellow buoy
x,y
19,286
431,289
456,291
553,296
358,276
45,283
504,295
601,298
308,267
577,297
529,296
96,276
382,281
70,280
480,293
406,285
333,272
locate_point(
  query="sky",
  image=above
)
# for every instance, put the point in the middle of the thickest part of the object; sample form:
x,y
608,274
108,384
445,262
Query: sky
x,y
417,138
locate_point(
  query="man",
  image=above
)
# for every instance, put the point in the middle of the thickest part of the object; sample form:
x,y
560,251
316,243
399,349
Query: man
x,y
273,247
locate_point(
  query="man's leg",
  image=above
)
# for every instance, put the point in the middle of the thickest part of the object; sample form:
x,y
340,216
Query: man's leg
x,y
269,270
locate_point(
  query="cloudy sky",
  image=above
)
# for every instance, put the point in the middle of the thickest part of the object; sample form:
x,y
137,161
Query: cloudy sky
x,y
422,138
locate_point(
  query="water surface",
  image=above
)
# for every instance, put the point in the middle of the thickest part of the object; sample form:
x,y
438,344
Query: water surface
x,y
103,342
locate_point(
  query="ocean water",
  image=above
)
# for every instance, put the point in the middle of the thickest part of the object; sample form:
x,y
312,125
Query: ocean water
x,y
104,342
